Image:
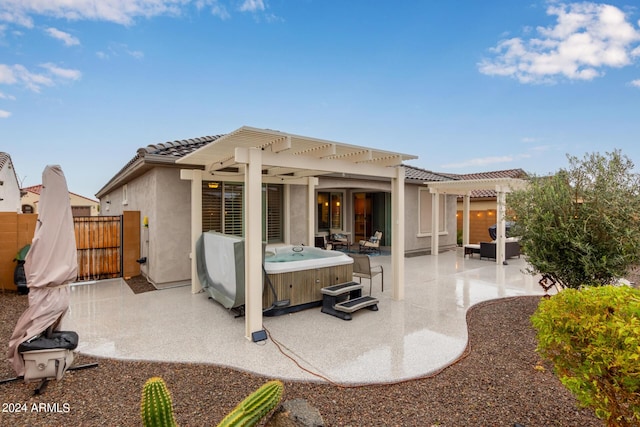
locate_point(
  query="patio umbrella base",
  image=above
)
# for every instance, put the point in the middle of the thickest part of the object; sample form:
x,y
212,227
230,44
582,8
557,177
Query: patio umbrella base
x,y
48,357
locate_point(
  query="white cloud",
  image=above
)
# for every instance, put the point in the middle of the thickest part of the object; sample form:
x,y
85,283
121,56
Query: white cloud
x,y
4,114
125,12
220,11
118,11
7,75
117,49
5,96
66,38
252,6
18,74
586,39
64,73
635,83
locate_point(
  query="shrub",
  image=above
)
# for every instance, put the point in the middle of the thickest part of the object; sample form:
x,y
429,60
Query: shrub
x,y
592,337
581,226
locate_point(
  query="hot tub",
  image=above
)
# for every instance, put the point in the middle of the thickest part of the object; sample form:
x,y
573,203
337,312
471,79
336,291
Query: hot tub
x,y
286,259
299,272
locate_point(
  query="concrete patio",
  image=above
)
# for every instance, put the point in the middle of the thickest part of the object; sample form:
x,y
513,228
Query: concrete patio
x,y
404,339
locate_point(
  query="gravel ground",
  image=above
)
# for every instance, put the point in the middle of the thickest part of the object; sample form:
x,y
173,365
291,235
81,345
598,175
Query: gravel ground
x,y
501,381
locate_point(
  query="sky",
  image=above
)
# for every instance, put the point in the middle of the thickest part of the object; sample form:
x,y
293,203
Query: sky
x,y
467,86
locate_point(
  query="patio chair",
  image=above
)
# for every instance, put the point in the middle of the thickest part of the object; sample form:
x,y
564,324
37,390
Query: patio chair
x,y
339,238
372,244
322,241
362,269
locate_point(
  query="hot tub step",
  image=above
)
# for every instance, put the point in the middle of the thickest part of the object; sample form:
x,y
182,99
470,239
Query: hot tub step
x,y
341,288
356,304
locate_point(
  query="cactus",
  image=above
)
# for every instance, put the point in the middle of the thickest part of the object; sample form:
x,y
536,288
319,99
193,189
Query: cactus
x,y
156,408
258,404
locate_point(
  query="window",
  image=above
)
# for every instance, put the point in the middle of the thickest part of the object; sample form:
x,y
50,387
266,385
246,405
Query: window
x,y
212,206
28,209
125,199
425,216
272,202
223,209
233,204
329,211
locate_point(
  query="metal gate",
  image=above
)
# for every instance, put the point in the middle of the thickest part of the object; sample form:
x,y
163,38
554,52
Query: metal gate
x,y
99,244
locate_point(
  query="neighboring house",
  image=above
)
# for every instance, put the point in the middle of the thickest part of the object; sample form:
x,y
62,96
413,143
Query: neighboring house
x,y
80,205
9,185
483,203
356,204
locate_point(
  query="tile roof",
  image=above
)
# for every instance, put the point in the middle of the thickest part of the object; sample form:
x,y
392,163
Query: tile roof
x,y
413,173
178,148
507,173
5,160
35,189
163,153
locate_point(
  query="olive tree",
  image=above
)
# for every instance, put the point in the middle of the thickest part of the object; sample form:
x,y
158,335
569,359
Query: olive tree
x,y
581,226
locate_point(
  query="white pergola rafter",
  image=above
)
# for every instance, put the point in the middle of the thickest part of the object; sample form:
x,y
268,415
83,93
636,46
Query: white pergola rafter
x,y
293,159
502,186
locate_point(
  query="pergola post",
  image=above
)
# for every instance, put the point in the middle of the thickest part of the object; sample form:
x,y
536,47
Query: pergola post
x,y
195,175
397,235
252,158
435,221
500,225
466,217
311,190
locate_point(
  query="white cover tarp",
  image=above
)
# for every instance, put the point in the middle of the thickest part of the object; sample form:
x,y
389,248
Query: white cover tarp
x,y
51,264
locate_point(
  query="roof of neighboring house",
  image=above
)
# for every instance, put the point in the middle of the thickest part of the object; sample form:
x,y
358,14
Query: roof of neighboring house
x,y
507,173
5,159
152,155
37,189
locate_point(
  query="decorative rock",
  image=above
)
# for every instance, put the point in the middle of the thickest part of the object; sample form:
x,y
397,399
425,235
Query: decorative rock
x,y
296,413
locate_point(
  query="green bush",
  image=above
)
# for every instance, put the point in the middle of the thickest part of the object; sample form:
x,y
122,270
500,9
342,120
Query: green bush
x,y
592,337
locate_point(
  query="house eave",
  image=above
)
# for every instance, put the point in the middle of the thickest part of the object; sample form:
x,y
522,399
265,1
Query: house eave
x,y
141,165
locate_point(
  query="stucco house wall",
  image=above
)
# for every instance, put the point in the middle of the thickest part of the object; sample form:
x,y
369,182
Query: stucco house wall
x,y
298,214
165,199
9,186
417,243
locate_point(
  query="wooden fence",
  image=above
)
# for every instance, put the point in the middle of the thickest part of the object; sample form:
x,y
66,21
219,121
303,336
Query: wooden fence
x,y
108,246
99,242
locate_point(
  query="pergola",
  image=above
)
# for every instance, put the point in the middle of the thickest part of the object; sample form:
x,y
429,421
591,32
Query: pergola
x,y
255,156
502,186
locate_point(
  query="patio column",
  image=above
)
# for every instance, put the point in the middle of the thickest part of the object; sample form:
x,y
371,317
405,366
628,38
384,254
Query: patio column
x,y
435,221
311,191
252,158
501,226
195,175
397,235
466,216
